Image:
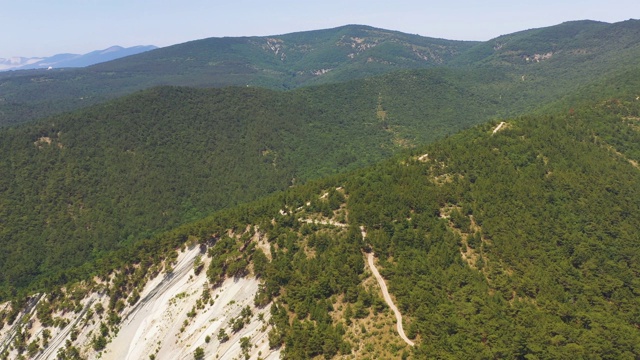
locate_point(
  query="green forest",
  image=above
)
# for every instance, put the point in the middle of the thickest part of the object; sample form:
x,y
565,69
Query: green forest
x,y
82,184
516,243
499,195
89,182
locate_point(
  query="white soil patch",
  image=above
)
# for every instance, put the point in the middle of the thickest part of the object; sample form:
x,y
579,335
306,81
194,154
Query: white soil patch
x,y
498,127
262,243
323,221
159,324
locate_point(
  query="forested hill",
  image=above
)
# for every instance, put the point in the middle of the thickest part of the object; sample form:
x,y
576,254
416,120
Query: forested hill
x,y
291,60
113,174
513,239
569,42
559,58
276,62
82,184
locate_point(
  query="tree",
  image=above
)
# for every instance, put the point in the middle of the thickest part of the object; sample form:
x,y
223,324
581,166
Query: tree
x,y
99,343
198,354
260,262
237,324
245,345
222,336
198,265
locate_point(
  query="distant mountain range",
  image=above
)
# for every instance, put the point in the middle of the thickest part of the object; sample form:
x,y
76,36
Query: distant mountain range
x,y
71,60
571,54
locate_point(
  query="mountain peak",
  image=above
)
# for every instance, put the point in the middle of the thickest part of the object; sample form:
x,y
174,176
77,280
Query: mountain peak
x,y
112,49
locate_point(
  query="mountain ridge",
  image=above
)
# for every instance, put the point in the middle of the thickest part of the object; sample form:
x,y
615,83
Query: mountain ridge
x,y
321,56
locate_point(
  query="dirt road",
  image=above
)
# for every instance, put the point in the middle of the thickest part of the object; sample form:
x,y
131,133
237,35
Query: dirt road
x,y
387,298
498,127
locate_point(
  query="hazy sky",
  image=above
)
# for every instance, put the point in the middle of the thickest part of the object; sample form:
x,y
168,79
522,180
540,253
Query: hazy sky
x,y
47,27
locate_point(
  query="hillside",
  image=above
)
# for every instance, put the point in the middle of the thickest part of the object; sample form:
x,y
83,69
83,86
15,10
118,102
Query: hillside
x,y
573,41
495,198
493,243
115,173
558,58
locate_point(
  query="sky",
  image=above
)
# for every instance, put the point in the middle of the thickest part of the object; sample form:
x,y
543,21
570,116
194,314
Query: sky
x,y
34,28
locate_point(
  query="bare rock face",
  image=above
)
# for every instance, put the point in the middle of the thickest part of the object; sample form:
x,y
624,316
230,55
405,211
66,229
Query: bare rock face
x,y
177,314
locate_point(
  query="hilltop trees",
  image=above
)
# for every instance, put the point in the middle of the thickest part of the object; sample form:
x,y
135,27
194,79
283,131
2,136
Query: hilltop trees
x,y
544,264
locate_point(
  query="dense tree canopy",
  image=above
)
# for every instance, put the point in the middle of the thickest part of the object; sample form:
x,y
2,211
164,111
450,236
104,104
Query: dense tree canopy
x,y
512,239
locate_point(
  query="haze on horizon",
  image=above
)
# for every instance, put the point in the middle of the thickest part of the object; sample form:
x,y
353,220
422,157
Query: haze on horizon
x,y
45,28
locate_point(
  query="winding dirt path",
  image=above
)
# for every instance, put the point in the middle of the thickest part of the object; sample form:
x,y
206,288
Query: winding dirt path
x,y
385,294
